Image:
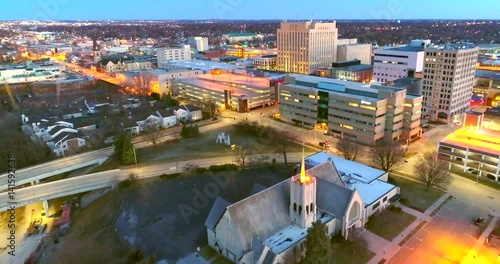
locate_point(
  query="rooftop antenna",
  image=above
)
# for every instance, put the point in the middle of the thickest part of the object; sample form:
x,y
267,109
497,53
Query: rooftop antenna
x,y
312,16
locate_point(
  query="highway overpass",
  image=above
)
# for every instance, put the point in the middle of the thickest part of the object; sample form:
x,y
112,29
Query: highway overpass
x,y
89,182
56,189
56,167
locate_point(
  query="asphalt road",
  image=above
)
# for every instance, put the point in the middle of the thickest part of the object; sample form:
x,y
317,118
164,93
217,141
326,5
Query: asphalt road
x,y
447,238
56,189
65,187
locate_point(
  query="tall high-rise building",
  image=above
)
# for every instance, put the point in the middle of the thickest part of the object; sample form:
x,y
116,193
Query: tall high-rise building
x,y
448,80
304,47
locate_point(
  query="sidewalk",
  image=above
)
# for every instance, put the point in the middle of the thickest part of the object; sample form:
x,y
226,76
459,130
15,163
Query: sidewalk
x,y
393,247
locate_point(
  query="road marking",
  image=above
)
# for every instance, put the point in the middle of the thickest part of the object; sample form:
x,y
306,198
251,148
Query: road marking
x,y
418,238
426,230
440,216
409,248
449,208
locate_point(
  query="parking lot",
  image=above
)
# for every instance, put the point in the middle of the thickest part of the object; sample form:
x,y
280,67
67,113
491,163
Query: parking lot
x,y
448,238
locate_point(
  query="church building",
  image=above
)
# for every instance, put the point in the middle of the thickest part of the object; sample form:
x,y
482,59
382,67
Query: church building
x,y
271,225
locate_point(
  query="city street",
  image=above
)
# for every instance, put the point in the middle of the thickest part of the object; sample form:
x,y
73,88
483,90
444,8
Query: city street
x,y
447,238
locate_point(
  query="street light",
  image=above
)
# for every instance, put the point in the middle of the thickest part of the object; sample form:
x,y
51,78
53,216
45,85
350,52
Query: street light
x,y
135,157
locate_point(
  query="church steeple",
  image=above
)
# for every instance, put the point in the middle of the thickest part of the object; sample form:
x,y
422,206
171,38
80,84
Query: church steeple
x,y
303,197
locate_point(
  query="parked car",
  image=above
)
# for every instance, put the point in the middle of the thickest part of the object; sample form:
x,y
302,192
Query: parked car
x,y
479,221
473,171
324,144
491,176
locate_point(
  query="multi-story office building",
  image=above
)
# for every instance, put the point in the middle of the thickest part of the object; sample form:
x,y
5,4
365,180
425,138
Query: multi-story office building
x,y
304,47
173,54
349,109
390,64
448,80
266,62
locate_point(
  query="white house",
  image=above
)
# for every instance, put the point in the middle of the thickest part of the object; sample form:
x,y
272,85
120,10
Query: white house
x,y
167,118
188,113
270,226
54,131
67,143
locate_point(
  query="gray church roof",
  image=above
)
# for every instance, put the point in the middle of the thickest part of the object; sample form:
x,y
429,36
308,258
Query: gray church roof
x,y
216,212
257,188
332,198
262,214
328,172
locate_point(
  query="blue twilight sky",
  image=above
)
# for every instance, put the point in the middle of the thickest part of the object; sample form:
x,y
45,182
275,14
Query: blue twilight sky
x,y
247,9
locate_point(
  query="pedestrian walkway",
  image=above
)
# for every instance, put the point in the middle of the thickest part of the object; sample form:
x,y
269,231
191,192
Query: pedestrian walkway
x,y
393,247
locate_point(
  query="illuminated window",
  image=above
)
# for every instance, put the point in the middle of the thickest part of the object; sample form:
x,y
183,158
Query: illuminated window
x,y
354,104
408,105
347,126
296,100
286,98
312,96
368,107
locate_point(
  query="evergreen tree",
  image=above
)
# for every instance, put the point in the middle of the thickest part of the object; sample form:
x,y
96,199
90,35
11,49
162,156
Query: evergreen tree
x,y
319,249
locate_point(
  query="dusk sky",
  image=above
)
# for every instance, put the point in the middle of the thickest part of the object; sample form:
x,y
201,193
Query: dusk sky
x,y
247,9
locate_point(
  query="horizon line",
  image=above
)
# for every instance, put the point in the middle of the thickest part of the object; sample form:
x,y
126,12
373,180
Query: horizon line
x,y
258,19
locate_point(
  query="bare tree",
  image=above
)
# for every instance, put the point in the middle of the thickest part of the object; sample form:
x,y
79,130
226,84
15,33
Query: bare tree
x,y
241,154
387,155
348,148
153,135
144,83
431,171
282,141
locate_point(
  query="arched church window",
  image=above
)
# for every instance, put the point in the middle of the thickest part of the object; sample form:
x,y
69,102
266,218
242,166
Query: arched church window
x,y
300,209
295,207
312,208
307,209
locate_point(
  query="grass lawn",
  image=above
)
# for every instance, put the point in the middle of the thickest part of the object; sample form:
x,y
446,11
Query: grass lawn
x,y
207,252
483,180
415,195
388,224
110,164
91,232
350,252
204,146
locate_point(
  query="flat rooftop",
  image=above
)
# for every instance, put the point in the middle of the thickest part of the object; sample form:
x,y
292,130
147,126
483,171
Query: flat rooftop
x,y
371,192
358,67
290,235
249,81
402,48
488,74
481,140
355,170
219,84
204,65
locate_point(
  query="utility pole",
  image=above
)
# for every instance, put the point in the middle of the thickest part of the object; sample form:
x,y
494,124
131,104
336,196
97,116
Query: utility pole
x,y
135,157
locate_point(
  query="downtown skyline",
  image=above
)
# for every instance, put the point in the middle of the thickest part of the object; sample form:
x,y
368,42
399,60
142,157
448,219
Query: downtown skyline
x,y
245,10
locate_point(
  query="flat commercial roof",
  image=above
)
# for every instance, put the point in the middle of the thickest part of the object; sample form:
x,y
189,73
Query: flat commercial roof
x,y
371,192
204,65
213,83
249,81
356,170
481,140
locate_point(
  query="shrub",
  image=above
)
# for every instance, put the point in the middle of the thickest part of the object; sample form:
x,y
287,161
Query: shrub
x,y
405,201
395,209
200,170
223,167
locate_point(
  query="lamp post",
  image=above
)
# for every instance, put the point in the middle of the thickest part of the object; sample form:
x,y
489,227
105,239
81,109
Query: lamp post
x,y
135,157
478,171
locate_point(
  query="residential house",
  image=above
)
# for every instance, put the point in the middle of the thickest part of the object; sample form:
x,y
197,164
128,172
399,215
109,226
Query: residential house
x,y
167,117
54,131
67,143
188,114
